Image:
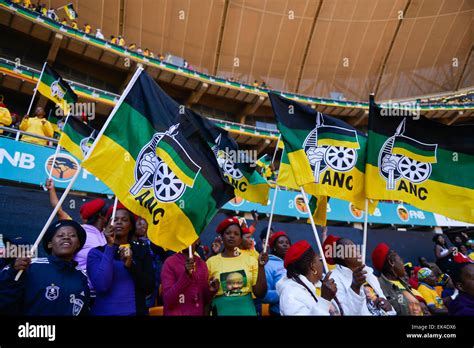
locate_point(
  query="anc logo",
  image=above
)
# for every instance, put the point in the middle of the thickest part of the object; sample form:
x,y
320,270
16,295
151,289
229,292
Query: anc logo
x,y
152,172
86,143
330,146
65,166
224,161
407,158
57,91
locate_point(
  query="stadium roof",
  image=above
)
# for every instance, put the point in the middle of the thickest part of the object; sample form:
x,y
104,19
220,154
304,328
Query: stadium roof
x,y
398,49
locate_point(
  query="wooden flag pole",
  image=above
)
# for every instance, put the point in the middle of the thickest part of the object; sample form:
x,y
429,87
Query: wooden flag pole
x,y
313,225
114,210
364,237
36,89
65,193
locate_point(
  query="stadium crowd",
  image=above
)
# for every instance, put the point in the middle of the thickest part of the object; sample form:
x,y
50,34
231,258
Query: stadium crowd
x,y
108,266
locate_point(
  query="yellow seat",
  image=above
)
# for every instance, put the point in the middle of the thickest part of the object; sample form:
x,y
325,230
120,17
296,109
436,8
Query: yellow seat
x,y
156,311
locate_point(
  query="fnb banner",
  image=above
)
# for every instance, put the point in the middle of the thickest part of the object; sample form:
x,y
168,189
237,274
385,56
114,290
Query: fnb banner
x,y
30,163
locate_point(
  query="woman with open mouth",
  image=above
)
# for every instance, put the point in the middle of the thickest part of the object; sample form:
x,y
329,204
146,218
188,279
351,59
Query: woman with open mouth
x,y
49,285
121,272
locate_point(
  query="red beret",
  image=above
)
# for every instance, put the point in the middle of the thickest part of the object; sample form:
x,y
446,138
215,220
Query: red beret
x,y
89,209
111,209
379,256
274,237
328,243
295,251
226,223
246,230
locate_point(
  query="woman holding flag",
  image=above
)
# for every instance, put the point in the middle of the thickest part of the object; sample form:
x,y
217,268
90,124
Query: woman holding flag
x,y
235,276
121,272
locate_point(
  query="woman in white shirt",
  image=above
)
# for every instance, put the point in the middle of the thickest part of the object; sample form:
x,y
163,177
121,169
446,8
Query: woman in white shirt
x,y
297,290
359,291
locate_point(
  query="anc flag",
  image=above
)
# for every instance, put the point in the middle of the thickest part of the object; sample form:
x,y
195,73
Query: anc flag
x,y
264,161
125,159
70,11
54,120
421,162
53,87
237,166
330,163
77,137
317,204
414,149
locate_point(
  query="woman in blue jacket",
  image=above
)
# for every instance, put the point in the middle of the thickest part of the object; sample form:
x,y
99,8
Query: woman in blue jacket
x,y
121,272
51,285
279,244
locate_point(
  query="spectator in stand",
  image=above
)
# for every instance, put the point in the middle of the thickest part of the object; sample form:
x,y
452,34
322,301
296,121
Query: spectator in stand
x,y
87,28
461,255
443,254
263,235
98,34
64,21
279,244
132,47
463,278
121,41
427,282
121,272
185,284
5,117
235,276
113,40
247,246
50,285
358,289
255,84
139,50
146,53
402,297
185,64
433,266
51,14
74,25
297,289
37,125
264,85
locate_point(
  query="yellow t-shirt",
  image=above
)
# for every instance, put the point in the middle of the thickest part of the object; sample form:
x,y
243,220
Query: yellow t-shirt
x,y
237,275
38,126
5,118
430,295
251,252
471,256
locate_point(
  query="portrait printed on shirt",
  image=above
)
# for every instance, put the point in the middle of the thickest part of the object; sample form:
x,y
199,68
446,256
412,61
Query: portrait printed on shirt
x,y
232,283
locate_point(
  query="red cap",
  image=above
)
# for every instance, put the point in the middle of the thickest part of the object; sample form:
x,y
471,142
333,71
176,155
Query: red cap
x,y
90,208
246,230
274,237
226,223
379,255
328,243
111,209
295,251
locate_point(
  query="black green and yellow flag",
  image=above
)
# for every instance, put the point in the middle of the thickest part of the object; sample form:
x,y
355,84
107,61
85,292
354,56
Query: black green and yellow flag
x,y
177,205
238,166
264,161
54,120
421,162
323,154
77,137
70,11
53,87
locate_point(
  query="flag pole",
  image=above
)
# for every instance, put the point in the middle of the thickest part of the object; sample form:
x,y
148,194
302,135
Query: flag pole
x,y
313,225
114,210
36,89
51,217
275,192
364,238
104,127
271,218
276,148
